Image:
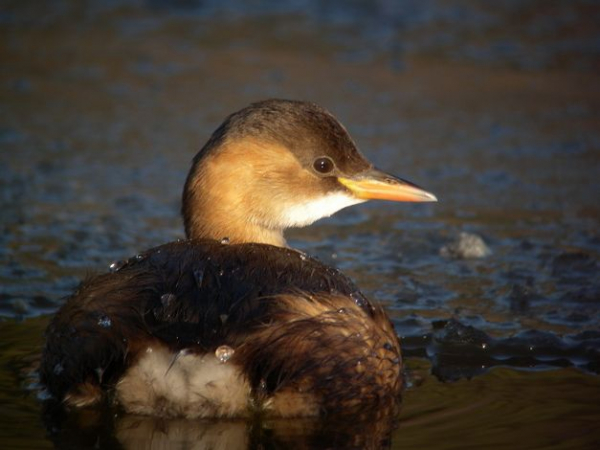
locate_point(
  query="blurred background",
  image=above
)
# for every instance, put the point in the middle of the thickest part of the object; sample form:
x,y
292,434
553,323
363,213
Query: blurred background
x,y
492,106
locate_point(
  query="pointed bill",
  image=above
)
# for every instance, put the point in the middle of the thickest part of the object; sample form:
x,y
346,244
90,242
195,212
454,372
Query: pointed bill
x,y
377,185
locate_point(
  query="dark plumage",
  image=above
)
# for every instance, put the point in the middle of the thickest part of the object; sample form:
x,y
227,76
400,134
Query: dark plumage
x,y
201,294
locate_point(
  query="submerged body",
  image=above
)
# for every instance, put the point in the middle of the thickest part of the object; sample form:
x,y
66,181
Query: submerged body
x,y
194,335
213,327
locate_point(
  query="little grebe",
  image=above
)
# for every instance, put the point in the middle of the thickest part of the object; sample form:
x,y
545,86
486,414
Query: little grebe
x,y
231,321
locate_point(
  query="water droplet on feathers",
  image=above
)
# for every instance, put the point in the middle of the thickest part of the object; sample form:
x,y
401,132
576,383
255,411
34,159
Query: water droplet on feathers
x,y
167,299
224,353
104,321
116,266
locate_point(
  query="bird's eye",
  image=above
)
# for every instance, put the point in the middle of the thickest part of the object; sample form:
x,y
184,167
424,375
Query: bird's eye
x,y
323,164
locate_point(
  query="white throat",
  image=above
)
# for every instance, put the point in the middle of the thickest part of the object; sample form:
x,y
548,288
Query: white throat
x,y
303,214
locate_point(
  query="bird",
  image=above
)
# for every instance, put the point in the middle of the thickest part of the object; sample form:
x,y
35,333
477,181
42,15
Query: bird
x,y
230,321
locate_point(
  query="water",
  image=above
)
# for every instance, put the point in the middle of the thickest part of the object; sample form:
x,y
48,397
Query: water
x,y
493,108
224,353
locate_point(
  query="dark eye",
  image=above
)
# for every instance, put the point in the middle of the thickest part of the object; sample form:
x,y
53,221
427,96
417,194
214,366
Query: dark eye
x,y
323,164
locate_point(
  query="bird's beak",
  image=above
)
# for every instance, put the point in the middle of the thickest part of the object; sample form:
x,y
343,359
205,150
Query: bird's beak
x,y
375,184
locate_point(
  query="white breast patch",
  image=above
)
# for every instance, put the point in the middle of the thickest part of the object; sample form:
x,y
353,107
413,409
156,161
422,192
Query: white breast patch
x,y
165,384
